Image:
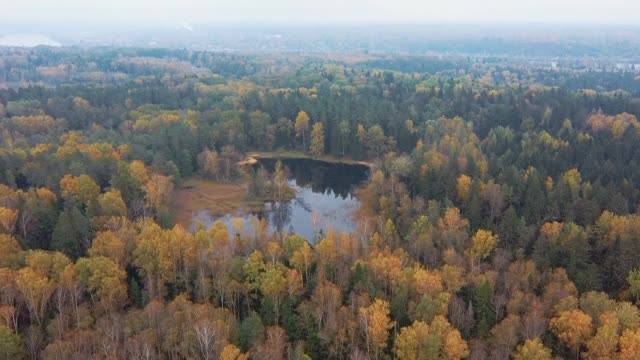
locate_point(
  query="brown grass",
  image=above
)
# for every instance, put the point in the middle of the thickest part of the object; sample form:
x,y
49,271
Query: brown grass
x,y
218,198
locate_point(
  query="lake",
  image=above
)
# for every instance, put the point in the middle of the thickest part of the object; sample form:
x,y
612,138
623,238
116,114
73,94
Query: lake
x,y
324,197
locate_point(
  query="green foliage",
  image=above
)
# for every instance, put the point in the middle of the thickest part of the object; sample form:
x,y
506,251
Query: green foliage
x,y
10,344
251,329
508,188
72,233
484,314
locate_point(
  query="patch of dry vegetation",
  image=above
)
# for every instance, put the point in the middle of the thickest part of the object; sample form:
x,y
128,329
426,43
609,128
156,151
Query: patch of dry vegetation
x,y
217,197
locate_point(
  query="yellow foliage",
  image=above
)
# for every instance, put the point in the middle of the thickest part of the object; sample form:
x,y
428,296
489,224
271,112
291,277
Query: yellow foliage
x,y
81,188
436,341
231,352
630,345
8,219
376,323
463,186
532,350
427,282
573,328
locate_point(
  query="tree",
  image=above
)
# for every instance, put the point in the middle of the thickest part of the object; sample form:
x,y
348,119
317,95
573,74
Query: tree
x,y
10,344
302,127
253,269
532,350
38,217
231,352
439,340
573,180
573,328
453,230
82,189
463,187
104,279
317,139
273,285
72,232
344,132
633,278
112,204
209,162
375,324
129,179
494,198
280,182
326,301
208,332
605,343
482,307
157,191
9,250
376,142
630,345
482,243
37,290
8,219
275,345
504,336
152,257
110,245
251,329
302,259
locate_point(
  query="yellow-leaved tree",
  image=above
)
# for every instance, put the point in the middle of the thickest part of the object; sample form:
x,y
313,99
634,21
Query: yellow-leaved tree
x,y
573,328
375,324
436,341
231,352
317,139
532,350
302,127
482,243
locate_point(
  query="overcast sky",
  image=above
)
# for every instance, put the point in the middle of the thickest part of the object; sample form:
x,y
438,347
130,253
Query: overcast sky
x,y
325,11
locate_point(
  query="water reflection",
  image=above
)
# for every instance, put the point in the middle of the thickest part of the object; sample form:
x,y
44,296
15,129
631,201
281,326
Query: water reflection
x,y
322,177
324,198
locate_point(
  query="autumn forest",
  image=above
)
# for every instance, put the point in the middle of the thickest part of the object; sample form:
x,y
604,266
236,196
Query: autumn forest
x,y
500,217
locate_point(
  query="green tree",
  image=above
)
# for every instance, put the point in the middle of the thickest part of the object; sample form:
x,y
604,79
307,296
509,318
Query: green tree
x,y
72,233
10,344
633,278
344,133
250,331
482,307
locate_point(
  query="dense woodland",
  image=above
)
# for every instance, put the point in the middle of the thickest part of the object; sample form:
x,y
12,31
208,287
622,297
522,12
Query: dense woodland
x,y
500,219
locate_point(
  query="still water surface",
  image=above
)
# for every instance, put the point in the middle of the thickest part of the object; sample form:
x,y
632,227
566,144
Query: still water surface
x,y
324,198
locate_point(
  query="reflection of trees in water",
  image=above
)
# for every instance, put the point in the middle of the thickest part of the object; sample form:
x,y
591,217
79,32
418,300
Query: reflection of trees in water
x,y
299,200
323,177
280,214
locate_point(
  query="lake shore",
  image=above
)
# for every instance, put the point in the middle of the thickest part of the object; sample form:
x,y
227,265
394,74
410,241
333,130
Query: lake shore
x,y
253,156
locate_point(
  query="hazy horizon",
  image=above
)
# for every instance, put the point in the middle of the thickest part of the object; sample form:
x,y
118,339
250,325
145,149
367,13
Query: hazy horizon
x,y
329,12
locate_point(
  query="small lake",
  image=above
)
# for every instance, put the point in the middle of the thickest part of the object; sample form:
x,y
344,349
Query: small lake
x,y
324,197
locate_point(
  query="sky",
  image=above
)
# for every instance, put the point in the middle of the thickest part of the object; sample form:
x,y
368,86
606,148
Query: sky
x,y
300,12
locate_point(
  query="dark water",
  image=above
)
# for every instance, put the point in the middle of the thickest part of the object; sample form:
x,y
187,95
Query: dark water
x,y
324,198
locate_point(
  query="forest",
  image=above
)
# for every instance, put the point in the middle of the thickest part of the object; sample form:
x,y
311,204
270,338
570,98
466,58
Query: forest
x,y
500,218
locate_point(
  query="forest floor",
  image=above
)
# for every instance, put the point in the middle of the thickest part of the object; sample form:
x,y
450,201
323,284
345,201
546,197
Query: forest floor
x,y
216,197
252,157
